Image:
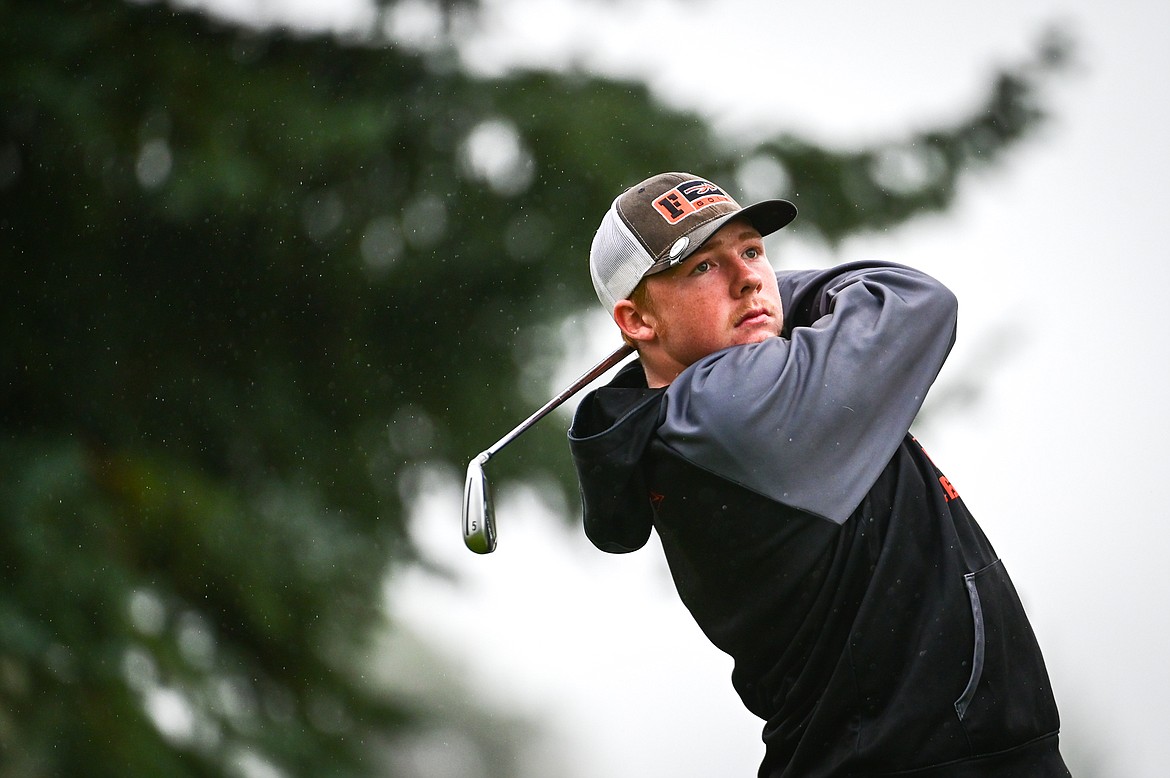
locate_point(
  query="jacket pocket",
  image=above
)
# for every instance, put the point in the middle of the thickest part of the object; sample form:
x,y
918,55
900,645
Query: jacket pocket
x,y
1008,698
980,649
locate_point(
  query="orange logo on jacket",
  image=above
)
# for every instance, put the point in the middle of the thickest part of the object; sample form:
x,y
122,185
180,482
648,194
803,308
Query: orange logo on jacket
x,y
948,489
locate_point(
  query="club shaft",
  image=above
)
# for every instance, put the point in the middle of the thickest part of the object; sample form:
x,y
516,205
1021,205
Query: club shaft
x,y
586,378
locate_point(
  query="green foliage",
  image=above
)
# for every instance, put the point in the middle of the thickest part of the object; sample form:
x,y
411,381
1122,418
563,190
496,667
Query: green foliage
x,y
251,282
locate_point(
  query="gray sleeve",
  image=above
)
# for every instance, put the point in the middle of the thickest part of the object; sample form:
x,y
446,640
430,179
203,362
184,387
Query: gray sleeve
x,y
811,419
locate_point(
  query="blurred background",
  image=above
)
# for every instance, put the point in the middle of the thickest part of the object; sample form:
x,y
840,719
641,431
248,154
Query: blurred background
x,y
273,271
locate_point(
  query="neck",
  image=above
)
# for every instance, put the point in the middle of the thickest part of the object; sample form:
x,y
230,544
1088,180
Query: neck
x,y
660,371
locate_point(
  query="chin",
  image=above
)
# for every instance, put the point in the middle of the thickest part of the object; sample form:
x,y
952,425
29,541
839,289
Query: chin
x,y
759,337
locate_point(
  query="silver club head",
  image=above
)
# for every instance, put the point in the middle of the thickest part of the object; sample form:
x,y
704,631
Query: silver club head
x,y
479,517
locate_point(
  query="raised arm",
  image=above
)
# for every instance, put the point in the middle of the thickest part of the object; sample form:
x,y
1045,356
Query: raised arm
x,y
810,419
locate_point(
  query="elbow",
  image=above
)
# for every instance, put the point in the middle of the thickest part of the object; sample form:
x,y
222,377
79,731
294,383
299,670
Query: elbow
x,y
949,305
944,311
930,304
940,304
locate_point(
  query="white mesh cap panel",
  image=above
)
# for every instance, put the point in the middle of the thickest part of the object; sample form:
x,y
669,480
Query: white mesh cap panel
x,y
617,260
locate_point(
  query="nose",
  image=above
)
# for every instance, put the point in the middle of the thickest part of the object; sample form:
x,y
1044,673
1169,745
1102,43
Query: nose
x,y
745,278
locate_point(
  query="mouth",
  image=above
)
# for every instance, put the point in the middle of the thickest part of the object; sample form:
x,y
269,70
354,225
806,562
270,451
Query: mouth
x,y
754,317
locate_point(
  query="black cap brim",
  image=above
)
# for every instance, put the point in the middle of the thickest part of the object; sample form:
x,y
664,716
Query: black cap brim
x,y
767,216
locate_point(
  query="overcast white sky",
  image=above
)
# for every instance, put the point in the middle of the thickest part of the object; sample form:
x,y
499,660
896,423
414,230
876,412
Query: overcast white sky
x,y
1061,461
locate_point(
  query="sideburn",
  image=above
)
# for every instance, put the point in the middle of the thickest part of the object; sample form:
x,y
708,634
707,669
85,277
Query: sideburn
x,y
642,300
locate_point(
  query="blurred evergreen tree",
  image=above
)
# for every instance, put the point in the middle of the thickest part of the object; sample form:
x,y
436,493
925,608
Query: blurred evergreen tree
x,y
250,282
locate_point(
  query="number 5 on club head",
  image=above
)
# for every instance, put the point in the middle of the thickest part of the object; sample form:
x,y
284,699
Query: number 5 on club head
x,y
479,519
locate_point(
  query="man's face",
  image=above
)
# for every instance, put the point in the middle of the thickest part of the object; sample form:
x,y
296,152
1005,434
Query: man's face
x,y
724,294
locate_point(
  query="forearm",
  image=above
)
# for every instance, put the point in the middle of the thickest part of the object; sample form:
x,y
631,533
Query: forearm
x,y
809,295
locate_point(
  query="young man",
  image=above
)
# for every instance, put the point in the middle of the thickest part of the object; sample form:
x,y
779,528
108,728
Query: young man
x,y
763,433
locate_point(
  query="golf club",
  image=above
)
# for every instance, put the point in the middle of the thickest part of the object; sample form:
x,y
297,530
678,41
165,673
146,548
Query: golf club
x,y
479,520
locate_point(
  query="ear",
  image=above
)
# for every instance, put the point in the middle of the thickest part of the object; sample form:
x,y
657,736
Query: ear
x,y
635,324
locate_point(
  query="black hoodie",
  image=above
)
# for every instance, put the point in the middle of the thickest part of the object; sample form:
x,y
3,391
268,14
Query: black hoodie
x,y
872,626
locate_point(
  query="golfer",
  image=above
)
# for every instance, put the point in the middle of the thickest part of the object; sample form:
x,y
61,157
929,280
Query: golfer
x,y
763,434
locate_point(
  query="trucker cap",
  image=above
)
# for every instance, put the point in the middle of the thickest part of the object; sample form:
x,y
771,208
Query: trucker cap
x,y
657,224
